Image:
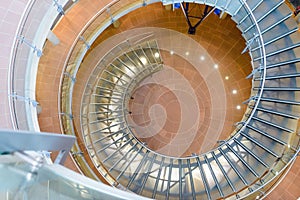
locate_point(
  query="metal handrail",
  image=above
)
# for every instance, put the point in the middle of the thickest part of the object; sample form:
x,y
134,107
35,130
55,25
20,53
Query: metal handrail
x,y
11,68
262,85
105,57
288,165
60,92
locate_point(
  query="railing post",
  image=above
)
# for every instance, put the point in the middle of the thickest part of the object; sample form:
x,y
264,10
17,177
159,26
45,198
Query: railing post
x,y
59,7
34,103
22,39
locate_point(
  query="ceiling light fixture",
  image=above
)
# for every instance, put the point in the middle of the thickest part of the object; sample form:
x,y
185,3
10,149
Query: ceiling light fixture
x,y
143,60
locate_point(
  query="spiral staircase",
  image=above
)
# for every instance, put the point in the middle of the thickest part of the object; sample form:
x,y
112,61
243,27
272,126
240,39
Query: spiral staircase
x,y
249,162
248,165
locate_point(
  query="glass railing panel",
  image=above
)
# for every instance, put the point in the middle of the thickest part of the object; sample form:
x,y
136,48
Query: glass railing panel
x,y
51,182
29,40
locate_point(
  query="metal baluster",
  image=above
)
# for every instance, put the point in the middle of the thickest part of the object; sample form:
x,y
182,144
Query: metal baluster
x,y
223,171
278,51
242,160
110,144
191,179
277,38
206,186
119,69
158,178
126,65
251,153
123,171
118,149
233,167
100,130
252,9
122,158
110,135
147,174
259,144
180,178
265,15
214,176
107,97
138,169
169,179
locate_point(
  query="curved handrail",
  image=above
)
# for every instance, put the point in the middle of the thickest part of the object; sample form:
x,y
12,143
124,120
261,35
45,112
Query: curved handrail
x,y
252,111
278,174
34,31
262,85
12,64
69,106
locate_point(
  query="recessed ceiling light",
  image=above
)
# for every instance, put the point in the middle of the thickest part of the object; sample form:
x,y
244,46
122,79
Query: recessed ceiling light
x,y
216,66
143,60
202,58
234,91
238,107
226,77
187,53
171,52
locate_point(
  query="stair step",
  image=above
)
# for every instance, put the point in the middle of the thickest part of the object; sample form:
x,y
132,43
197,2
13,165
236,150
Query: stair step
x,y
257,142
276,112
286,41
265,9
266,135
272,124
279,51
282,76
283,101
278,88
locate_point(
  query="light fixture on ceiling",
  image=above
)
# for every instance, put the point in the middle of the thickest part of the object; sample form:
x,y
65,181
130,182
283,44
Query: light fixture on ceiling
x,y
143,60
